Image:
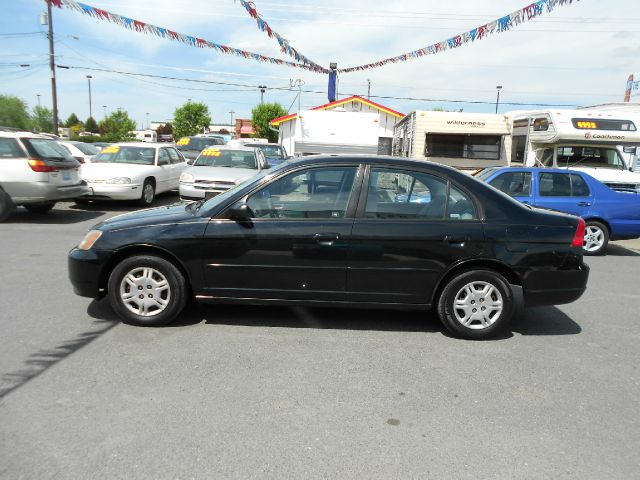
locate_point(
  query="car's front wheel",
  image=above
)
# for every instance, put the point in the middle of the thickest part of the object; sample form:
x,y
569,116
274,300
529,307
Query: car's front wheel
x,y
148,193
40,207
476,304
147,291
596,238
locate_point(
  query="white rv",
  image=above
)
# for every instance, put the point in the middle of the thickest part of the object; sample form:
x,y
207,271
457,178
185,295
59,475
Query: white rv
x,y
332,132
469,141
585,140
146,135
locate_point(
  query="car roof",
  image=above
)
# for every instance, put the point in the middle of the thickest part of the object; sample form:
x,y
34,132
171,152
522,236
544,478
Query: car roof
x,y
142,144
374,160
24,133
239,148
539,169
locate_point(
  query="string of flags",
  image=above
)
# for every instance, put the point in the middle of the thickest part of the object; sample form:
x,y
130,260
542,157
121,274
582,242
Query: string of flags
x,y
285,47
499,25
149,29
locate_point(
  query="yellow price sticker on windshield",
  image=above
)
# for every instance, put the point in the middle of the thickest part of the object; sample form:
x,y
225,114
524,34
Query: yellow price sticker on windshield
x,y
211,152
111,149
183,141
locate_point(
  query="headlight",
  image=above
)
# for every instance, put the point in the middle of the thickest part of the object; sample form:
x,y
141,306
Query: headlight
x,y
119,180
187,178
89,239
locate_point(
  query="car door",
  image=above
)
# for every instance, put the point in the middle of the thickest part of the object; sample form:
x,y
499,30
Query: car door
x,y
165,171
410,226
565,192
177,166
295,245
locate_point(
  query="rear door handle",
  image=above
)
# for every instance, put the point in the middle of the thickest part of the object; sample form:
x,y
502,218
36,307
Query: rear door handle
x,y
456,239
326,239
584,204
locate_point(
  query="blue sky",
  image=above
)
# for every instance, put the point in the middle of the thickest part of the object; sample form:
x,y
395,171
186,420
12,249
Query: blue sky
x,y
577,55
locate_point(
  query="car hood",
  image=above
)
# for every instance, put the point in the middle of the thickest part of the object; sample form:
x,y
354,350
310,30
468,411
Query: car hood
x,y
168,214
104,171
221,173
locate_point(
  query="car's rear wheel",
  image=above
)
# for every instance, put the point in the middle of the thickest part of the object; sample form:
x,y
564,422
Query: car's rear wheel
x,y
147,291
476,304
148,193
40,207
596,238
6,205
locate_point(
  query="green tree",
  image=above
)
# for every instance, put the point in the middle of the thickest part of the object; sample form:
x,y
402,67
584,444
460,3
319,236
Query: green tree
x,y
91,126
190,119
72,121
42,119
261,115
117,127
14,113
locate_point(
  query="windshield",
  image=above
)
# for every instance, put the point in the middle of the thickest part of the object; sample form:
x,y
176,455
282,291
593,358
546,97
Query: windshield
x,y
595,157
272,151
119,154
46,148
198,144
227,158
86,148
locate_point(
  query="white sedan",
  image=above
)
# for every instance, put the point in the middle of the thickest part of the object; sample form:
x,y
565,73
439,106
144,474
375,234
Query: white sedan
x,y
133,171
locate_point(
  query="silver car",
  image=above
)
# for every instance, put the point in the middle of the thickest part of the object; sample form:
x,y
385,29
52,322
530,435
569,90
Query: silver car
x,y
218,168
35,171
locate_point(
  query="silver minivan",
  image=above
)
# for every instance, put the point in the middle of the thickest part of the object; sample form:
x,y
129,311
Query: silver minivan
x,y
35,172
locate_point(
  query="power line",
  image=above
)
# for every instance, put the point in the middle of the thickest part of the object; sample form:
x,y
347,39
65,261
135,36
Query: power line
x,y
389,97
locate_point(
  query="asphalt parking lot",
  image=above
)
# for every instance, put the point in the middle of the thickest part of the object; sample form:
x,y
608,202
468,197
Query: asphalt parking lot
x,y
255,392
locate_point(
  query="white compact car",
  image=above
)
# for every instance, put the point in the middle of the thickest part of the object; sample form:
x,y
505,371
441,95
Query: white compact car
x,y
218,168
133,171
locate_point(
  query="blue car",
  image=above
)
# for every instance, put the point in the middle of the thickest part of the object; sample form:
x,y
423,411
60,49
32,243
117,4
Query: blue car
x,y
610,214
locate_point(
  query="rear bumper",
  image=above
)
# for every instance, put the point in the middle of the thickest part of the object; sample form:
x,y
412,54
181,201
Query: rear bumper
x,y
25,193
555,287
85,272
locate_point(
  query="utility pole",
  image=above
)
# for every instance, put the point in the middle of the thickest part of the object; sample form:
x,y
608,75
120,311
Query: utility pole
x,y
52,65
104,111
38,95
231,118
498,88
262,90
89,77
368,88
148,124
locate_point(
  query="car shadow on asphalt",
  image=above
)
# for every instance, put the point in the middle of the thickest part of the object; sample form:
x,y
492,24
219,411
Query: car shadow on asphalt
x,y
161,200
620,251
537,321
45,358
53,217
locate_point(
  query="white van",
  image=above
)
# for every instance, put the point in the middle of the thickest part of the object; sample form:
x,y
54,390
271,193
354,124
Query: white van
x,y
590,141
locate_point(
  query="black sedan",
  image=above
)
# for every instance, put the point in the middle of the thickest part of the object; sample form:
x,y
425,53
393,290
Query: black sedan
x,y
351,231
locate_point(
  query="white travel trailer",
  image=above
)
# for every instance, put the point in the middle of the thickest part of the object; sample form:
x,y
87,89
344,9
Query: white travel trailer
x,y
468,141
579,139
146,135
333,132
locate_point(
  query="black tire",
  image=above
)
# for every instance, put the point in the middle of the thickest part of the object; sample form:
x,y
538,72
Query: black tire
x,y
597,234
40,207
175,294
6,205
81,201
148,194
480,325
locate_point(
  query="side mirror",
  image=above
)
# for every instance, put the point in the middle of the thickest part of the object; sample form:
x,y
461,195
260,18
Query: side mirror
x,y
189,161
240,211
629,149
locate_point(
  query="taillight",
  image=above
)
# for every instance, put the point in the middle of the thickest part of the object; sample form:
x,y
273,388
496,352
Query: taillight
x,y
40,166
80,159
578,238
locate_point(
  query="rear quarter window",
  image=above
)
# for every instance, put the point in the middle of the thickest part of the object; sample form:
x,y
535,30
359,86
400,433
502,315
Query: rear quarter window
x,y
9,148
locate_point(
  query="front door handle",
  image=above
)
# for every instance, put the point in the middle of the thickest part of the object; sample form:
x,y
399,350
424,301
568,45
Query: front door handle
x,y
584,204
326,239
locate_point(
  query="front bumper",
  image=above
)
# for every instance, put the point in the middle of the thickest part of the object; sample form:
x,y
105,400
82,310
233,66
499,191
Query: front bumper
x,y
114,191
85,272
197,192
555,287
